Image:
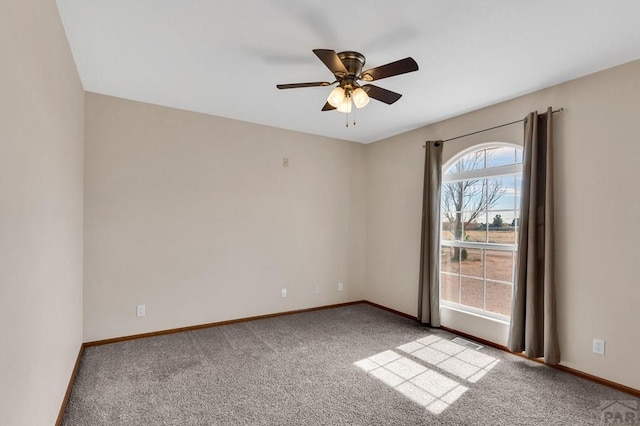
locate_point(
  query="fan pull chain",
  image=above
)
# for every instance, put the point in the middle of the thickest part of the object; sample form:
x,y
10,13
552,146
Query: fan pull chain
x,y
348,100
352,107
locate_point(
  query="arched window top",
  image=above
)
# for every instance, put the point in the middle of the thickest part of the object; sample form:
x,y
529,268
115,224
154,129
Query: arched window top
x,y
488,159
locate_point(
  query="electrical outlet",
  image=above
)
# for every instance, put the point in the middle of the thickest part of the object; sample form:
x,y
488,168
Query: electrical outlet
x,y
141,310
340,287
598,346
284,292
316,289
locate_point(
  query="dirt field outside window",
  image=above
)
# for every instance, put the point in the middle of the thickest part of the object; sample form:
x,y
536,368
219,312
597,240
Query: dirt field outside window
x,y
463,281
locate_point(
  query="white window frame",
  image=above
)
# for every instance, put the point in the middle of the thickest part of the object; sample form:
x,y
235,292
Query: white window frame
x,y
508,170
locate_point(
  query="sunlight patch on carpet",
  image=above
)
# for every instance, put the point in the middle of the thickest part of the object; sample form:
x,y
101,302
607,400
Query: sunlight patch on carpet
x,y
413,370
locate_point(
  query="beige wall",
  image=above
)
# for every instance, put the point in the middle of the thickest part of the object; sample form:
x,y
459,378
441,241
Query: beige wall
x,y
41,136
196,217
597,206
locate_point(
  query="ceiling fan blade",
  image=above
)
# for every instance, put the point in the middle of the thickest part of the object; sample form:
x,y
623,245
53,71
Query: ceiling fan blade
x,y
297,85
402,66
331,60
328,107
380,94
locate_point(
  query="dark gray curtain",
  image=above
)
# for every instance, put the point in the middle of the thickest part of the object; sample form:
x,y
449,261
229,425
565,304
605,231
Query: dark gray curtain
x,y
429,292
533,326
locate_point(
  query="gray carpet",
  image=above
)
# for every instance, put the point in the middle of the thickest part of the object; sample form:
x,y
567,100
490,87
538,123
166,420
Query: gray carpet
x,y
354,365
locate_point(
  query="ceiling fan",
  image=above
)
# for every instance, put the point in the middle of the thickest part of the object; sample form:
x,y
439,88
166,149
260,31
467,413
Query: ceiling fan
x,y
347,69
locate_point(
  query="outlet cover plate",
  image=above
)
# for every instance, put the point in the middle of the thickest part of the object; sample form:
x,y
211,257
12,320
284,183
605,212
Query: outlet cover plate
x,y
598,346
141,310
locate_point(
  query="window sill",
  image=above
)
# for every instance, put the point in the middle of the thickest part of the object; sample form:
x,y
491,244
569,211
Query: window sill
x,y
487,328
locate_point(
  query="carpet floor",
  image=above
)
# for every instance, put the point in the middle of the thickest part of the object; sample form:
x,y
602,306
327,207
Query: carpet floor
x,y
352,365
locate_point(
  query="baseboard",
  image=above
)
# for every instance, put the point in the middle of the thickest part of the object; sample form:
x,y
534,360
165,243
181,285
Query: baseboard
x,y
596,379
393,311
214,324
72,380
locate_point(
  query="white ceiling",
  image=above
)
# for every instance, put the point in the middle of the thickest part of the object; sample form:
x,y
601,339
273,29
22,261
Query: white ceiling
x,y
225,57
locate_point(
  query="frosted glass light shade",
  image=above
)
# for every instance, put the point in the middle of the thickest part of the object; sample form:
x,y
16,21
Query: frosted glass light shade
x,y
345,106
336,97
360,98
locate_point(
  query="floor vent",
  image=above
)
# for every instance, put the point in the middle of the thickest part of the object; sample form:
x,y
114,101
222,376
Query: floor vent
x,y
468,343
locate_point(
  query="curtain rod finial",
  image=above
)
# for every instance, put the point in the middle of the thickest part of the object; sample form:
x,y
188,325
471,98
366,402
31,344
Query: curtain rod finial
x,y
435,143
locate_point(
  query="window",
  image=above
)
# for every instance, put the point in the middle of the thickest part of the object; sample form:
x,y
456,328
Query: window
x,y
480,211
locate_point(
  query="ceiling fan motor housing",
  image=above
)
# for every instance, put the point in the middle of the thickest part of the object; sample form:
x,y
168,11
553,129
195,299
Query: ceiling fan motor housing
x,y
353,62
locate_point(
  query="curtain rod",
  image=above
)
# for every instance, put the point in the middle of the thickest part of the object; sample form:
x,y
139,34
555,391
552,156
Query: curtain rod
x,y
490,128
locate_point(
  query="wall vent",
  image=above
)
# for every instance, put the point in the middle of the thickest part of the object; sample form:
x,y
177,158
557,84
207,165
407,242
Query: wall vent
x,y
468,343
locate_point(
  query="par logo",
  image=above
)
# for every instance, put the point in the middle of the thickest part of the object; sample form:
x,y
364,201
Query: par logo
x,y
621,412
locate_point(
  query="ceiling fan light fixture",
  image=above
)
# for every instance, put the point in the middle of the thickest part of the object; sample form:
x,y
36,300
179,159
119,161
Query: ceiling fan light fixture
x,y
337,97
345,106
360,98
